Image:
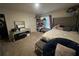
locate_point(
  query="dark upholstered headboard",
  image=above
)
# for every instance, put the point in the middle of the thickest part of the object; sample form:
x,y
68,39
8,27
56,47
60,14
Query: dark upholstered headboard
x,y
68,22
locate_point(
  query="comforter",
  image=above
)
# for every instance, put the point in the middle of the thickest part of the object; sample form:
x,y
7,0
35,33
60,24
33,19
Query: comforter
x,y
55,33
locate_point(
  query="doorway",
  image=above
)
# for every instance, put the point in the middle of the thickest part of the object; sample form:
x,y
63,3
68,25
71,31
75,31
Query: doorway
x,y
3,27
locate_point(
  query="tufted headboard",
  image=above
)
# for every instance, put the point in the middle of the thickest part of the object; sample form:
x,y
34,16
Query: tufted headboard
x,y
69,23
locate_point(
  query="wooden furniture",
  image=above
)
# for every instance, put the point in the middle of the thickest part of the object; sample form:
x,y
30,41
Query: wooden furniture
x,y
17,35
19,31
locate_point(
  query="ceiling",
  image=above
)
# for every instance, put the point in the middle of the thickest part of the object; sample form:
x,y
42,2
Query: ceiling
x,y
30,7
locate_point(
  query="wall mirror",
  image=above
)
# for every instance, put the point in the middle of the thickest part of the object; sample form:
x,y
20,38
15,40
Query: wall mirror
x,y
19,24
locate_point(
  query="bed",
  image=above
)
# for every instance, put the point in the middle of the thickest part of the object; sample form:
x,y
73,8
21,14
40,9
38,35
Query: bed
x,y
55,38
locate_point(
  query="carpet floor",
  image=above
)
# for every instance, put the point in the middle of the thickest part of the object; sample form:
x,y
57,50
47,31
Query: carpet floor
x,y
22,47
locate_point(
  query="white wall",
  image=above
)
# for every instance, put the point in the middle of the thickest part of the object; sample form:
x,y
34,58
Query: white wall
x,y
60,13
57,13
11,16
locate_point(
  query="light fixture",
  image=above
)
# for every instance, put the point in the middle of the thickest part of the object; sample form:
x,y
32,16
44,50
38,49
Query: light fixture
x,y
36,4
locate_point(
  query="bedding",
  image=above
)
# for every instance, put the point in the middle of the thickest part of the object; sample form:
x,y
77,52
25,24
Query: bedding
x,y
69,41
58,27
62,50
44,39
49,48
55,33
68,28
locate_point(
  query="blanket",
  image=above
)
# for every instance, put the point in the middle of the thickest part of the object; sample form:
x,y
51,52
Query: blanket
x,y
55,33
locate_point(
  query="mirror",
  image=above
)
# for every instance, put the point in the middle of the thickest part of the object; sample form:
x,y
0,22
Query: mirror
x,y
19,24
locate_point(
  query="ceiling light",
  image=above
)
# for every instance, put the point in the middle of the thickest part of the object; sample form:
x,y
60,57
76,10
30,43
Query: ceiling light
x,y
37,4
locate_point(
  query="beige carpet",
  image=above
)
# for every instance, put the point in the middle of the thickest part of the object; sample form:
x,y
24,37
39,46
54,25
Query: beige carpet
x,y
22,47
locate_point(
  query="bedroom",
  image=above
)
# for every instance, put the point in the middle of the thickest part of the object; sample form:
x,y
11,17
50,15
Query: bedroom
x,y
22,31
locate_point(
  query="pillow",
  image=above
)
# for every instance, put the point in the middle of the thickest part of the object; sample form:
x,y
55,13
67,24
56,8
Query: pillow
x,y
58,27
44,39
67,29
62,50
